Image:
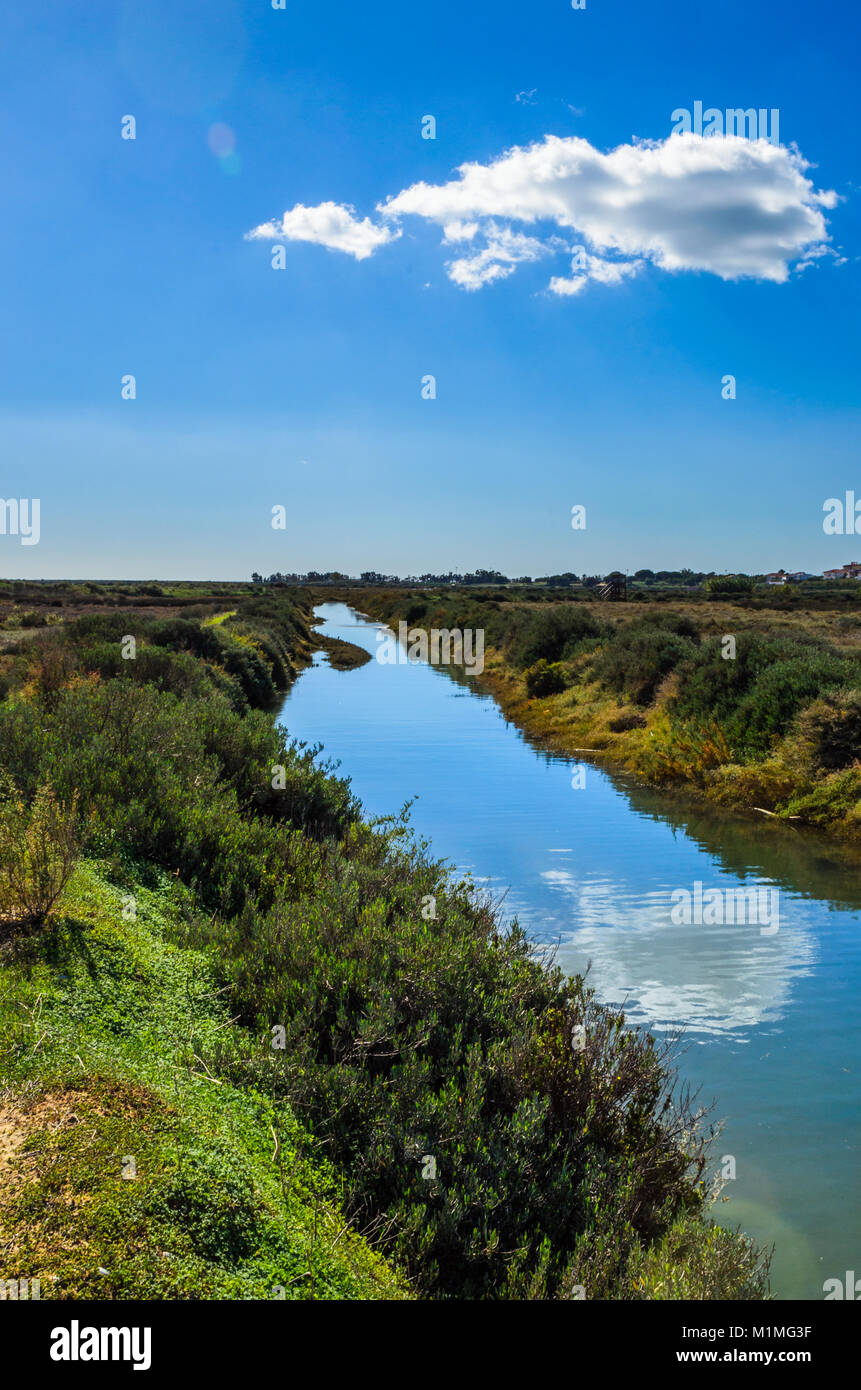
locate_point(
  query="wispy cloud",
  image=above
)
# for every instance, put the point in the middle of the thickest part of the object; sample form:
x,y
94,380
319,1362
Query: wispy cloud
x,y
724,205
585,268
502,252
333,225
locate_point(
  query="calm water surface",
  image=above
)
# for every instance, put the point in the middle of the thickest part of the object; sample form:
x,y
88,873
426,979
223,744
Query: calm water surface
x,y
771,1021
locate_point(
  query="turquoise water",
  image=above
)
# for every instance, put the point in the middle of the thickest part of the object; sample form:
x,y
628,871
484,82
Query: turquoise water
x,y
770,1019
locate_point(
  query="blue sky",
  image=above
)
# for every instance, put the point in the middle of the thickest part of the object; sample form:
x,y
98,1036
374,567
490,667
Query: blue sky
x,y
302,387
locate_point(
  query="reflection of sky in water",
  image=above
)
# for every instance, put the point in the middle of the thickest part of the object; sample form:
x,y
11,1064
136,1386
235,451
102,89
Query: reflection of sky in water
x,y
711,978
772,1021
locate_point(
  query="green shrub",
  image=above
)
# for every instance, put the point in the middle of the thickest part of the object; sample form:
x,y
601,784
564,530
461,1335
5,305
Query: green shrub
x,y
728,585
107,627
711,685
756,695
832,728
836,797
545,678
408,1037
39,847
186,782
550,635
27,618
779,692
700,1260
638,656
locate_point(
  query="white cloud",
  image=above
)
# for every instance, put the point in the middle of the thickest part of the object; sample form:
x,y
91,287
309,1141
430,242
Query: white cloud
x,y
573,285
460,231
333,225
585,268
723,205
504,250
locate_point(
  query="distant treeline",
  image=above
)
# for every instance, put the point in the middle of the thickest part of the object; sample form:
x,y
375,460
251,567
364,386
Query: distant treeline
x,y
643,578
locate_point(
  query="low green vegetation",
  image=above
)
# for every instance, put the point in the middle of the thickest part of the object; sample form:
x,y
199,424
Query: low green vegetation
x,y
133,1170
545,678
335,1072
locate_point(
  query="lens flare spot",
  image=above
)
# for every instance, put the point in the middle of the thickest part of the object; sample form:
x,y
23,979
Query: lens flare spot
x,y
221,140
